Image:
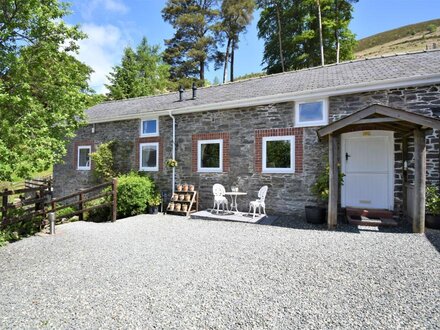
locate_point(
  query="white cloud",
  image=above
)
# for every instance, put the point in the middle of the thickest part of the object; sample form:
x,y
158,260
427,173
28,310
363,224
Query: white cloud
x,y
115,6
101,51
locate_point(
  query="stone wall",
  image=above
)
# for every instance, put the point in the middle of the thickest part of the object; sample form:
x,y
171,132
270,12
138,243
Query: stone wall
x,y
288,193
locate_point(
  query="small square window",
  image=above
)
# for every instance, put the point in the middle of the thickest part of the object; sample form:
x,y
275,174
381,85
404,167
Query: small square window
x,y
149,127
84,157
279,154
210,156
149,156
311,113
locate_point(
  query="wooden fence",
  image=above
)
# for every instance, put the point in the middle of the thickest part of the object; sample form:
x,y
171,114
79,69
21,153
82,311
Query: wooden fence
x,y
37,201
97,193
27,204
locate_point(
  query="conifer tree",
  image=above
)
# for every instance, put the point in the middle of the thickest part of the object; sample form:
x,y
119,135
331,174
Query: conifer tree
x,y
142,72
194,43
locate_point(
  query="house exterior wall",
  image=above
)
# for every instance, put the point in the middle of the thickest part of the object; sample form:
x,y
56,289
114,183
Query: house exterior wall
x,y
244,128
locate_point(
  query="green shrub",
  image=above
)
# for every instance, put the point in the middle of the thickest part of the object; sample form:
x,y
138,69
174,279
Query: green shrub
x,y
63,212
321,186
432,202
155,199
134,191
431,28
103,162
101,214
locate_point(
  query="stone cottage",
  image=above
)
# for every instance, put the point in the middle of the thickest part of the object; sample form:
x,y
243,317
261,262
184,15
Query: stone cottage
x,y
263,131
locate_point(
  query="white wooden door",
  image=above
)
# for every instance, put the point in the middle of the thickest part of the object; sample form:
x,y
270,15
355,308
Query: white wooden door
x,y
368,164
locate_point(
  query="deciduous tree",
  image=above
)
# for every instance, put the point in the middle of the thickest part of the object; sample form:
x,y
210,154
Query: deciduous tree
x,y
42,86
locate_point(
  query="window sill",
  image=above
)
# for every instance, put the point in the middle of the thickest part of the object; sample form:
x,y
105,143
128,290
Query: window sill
x,y
309,124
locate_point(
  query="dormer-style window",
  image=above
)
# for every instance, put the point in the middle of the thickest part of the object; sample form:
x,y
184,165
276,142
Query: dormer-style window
x,y
311,113
150,127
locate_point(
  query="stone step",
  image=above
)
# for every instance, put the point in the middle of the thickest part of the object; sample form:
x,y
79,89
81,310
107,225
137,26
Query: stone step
x,y
359,220
369,213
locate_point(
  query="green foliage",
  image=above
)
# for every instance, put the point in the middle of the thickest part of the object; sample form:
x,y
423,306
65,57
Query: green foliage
x,y
194,42
321,186
431,28
432,202
141,73
101,214
103,162
63,212
19,230
171,163
155,199
300,32
251,75
395,34
42,86
133,193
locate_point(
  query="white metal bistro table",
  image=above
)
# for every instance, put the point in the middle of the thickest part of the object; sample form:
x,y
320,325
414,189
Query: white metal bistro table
x,y
234,195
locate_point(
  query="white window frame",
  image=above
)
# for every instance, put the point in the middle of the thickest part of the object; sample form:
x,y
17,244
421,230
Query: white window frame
x,y
149,169
291,169
87,167
322,122
142,134
199,158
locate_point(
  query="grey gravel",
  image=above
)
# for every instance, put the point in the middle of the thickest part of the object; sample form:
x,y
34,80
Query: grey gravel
x,y
169,272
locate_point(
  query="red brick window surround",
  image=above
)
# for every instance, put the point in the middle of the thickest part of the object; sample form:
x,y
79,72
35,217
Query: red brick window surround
x,y
210,136
291,131
76,146
141,140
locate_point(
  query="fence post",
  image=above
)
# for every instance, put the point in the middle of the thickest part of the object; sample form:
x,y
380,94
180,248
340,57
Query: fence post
x,y
81,207
52,222
115,199
5,205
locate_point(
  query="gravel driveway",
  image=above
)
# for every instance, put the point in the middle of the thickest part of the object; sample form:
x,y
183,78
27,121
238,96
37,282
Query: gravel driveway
x,y
167,272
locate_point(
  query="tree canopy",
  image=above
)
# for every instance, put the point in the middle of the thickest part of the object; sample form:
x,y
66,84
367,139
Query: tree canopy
x,y
290,30
142,72
194,42
42,86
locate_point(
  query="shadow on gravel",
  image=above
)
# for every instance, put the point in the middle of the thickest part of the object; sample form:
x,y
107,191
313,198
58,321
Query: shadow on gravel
x,y
299,223
433,237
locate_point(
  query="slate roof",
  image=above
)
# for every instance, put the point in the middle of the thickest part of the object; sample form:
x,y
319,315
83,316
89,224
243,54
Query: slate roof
x,y
352,73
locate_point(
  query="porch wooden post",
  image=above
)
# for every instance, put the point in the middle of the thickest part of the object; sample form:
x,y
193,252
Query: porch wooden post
x,y
332,217
419,181
405,176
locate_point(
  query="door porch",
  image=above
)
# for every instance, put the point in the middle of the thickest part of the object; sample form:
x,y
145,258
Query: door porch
x,y
382,118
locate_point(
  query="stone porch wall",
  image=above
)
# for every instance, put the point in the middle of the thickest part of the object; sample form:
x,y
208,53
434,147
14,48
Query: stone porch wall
x,y
288,193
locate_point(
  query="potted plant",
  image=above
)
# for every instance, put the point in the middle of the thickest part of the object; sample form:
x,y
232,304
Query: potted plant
x,y
432,204
153,203
316,213
171,163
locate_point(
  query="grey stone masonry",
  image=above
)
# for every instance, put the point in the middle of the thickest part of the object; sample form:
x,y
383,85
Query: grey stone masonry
x,y
288,193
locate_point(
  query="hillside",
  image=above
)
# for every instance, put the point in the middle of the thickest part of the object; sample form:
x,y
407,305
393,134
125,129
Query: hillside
x,y
409,38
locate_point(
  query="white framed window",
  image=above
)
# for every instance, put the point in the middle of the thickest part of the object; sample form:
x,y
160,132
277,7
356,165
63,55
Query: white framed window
x,y
149,156
83,158
150,127
311,113
278,154
210,155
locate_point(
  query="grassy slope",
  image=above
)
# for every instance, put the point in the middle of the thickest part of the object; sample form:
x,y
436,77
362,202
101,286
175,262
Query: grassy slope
x,y
414,37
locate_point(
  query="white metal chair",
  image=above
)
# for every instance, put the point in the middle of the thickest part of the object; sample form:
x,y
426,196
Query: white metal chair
x,y
259,203
219,197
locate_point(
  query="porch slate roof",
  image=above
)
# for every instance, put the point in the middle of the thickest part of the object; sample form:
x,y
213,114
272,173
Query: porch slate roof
x,y
347,74
378,116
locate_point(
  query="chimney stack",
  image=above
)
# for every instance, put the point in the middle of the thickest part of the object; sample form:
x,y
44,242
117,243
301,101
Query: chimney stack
x,y
194,89
181,90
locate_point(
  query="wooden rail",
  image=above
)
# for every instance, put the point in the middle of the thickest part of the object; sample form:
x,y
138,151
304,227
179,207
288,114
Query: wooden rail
x,y
38,201
80,203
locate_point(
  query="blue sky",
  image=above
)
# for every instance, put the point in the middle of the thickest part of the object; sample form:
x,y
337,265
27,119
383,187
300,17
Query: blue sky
x,y
114,24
